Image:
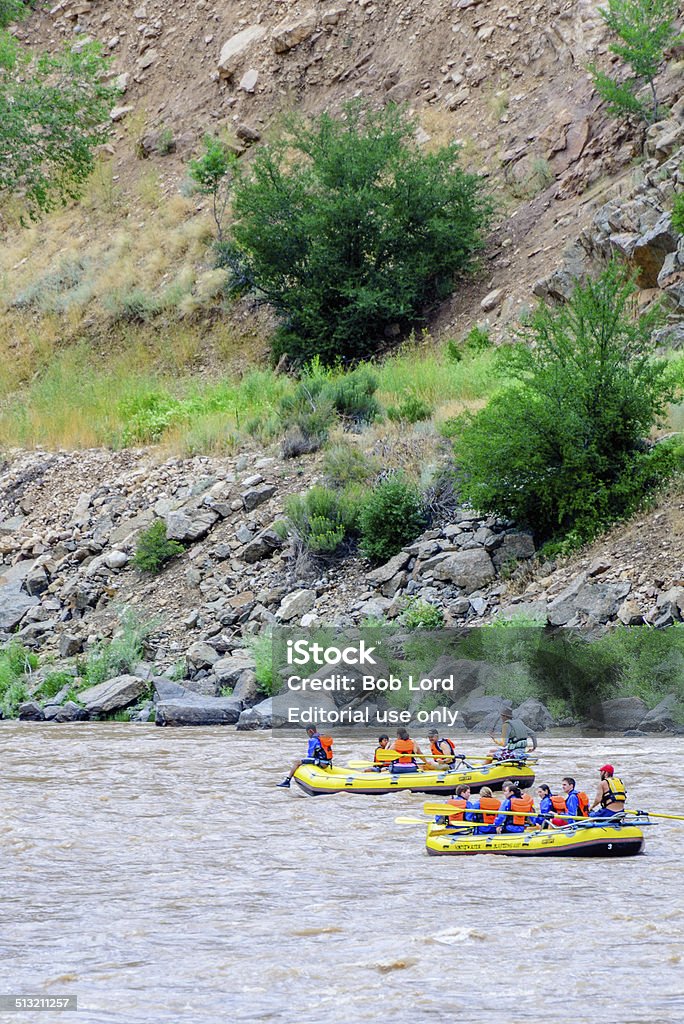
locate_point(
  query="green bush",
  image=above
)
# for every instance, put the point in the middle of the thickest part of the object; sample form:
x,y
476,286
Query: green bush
x,y
53,683
153,549
347,226
308,412
120,654
562,451
16,662
262,650
418,614
412,410
646,29
322,518
392,516
345,463
678,213
477,340
353,395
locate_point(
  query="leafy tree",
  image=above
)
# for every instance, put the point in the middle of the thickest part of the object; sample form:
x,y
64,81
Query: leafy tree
x,y
346,226
212,174
645,29
561,451
53,113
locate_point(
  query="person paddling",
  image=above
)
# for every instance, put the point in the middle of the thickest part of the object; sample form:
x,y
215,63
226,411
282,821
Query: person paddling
x,y
513,801
443,750
383,744
611,794
487,805
407,747
319,752
514,736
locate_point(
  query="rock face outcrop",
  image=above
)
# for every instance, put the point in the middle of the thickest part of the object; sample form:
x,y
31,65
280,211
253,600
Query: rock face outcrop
x,y
235,49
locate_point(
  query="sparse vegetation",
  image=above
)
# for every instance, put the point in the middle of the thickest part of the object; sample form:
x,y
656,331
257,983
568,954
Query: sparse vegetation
x,y
323,518
212,175
153,549
645,29
120,654
419,614
411,410
344,463
678,213
16,664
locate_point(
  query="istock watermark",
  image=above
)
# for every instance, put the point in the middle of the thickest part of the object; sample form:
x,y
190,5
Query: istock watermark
x,y
381,676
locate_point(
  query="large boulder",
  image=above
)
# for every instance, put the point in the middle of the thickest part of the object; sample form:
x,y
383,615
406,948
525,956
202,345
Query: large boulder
x,y
68,712
470,570
287,710
228,670
263,546
660,718
481,709
167,689
619,714
293,31
296,604
236,48
247,688
534,714
14,603
189,525
198,710
30,711
112,695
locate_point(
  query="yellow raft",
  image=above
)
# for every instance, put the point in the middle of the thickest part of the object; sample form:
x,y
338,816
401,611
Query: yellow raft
x,y
624,839
317,781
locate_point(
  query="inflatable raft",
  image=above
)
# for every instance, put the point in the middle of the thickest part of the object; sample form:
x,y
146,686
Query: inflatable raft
x,y
318,781
624,839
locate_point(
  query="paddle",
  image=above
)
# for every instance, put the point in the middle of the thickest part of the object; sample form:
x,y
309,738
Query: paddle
x,y
655,814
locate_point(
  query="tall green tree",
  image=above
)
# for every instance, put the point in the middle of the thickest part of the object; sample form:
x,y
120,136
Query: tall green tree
x,y
212,175
562,450
645,30
53,113
345,226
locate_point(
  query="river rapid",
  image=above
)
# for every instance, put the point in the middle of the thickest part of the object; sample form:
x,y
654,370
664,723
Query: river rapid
x,y
159,876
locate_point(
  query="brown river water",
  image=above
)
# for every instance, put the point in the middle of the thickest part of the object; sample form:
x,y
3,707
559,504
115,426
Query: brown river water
x,y
159,876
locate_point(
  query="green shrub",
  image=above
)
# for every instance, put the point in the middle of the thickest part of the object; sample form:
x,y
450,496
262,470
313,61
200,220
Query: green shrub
x,y
132,305
322,518
353,395
345,463
477,340
392,516
16,662
261,647
419,614
347,226
562,451
153,549
678,213
119,655
646,29
453,351
53,683
308,412
412,410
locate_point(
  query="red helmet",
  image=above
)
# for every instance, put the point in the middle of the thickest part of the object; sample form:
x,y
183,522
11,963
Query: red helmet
x,y
607,768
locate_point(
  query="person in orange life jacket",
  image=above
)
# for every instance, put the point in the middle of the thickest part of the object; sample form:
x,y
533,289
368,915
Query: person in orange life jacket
x,y
611,794
462,802
513,801
317,753
383,744
405,746
486,806
571,795
443,750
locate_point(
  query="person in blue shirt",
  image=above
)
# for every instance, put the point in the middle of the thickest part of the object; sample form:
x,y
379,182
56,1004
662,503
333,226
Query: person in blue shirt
x,y
571,797
504,822
316,753
546,811
488,805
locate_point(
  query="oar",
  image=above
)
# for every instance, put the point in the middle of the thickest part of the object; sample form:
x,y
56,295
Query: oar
x,y
654,814
449,809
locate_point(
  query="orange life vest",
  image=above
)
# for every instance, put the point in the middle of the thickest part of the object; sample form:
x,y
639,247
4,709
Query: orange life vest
x,y
326,743
523,803
583,802
559,805
489,805
457,801
440,753
405,747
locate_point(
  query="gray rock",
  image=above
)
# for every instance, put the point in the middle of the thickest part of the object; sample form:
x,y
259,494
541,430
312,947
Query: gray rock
x,y
187,526
30,711
651,249
68,712
235,49
247,689
263,546
14,603
467,675
116,559
477,709
390,569
198,711
36,582
112,695
470,570
660,718
69,645
229,670
514,547
599,601
201,655
296,604
256,496
293,31
630,614
283,710
534,714
167,689
619,714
